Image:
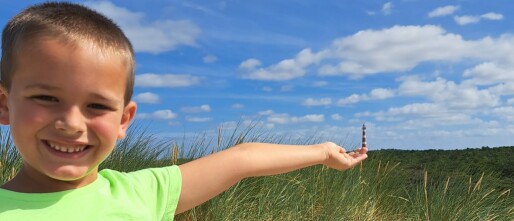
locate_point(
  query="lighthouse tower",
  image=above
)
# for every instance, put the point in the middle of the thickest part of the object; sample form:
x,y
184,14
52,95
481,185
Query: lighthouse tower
x,y
364,144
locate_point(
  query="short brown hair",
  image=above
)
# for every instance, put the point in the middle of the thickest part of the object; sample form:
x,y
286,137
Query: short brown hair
x,y
71,22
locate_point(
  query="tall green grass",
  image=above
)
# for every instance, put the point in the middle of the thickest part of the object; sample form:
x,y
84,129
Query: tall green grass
x,y
374,190
138,150
370,192
10,160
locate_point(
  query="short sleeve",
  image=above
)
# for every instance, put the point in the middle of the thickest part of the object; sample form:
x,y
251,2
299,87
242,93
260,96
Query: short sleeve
x,y
157,189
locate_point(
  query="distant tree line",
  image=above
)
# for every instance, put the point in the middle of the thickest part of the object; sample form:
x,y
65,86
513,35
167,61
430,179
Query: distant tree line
x,y
496,163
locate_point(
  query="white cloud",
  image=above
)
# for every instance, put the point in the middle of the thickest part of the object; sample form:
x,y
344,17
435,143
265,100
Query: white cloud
x,y
415,109
266,112
238,106
387,8
284,118
309,118
506,113
375,94
352,99
158,115
364,53
197,109
443,11
164,114
209,59
198,119
284,70
422,115
448,93
449,103
336,117
251,63
166,80
149,36
471,19
510,101
466,19
147,97
279,118
309,102
490,73
320,84
380,94
492,16
503,89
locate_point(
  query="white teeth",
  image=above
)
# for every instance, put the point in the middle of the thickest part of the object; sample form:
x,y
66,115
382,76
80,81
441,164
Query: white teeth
x,y
66,149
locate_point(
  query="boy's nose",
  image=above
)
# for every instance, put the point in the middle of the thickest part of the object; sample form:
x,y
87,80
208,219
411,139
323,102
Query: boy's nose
x,y
71,122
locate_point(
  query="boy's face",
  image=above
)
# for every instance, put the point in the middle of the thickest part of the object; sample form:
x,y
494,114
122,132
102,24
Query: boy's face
x,y
65,108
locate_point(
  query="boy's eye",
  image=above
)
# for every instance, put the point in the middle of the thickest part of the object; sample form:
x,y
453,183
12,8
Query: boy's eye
x,y
99,107
45,98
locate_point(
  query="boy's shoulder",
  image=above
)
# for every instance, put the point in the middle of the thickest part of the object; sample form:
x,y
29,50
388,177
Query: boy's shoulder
x,y
161,177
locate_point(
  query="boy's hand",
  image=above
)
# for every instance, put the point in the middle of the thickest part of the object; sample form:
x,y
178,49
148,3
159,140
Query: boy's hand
x,y
339,159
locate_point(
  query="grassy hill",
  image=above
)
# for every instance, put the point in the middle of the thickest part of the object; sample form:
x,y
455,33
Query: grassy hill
x,y
469,184
390,185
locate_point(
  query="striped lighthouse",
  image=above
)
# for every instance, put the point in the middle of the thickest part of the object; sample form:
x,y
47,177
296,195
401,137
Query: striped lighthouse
x,y
364,144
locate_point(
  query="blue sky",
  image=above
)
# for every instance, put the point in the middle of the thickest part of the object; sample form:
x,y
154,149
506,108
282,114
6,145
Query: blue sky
x,y
420,74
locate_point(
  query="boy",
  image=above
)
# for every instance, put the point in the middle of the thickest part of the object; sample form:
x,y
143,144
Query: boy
x,y
67,75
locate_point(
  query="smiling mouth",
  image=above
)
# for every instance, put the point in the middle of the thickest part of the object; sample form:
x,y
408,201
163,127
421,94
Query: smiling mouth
x,y
66,148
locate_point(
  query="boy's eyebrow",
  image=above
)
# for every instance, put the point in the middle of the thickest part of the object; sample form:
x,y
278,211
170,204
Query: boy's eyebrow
x,y
105,98
41,86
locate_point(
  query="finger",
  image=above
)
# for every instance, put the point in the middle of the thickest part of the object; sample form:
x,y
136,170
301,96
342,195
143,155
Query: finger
x,y
356,155
361,150
361,157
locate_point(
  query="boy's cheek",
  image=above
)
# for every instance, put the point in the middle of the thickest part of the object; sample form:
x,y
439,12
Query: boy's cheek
x,y
29,114
105,128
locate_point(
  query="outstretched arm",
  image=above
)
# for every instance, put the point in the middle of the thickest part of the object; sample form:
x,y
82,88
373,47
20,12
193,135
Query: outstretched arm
x,y
204,178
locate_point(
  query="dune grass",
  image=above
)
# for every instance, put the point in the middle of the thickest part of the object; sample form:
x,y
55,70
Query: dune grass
x,y
10,159
374,190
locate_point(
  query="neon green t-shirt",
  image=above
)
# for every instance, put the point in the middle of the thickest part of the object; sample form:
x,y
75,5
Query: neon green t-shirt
x,y
148,194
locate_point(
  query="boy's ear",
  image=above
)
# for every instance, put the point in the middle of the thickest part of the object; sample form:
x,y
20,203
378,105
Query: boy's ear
x,y
4,109
128,114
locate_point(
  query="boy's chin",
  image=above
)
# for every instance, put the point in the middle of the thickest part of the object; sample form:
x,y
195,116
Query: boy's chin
x,y
73,174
